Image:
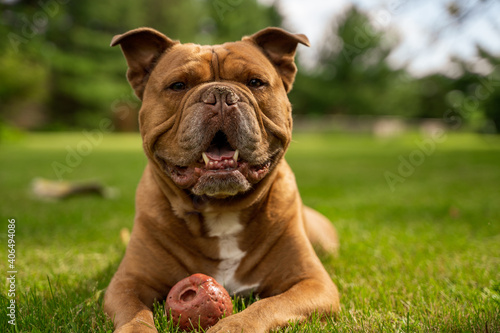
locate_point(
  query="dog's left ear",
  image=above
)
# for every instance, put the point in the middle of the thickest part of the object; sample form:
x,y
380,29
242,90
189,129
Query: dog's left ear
x,y
279,46
142,48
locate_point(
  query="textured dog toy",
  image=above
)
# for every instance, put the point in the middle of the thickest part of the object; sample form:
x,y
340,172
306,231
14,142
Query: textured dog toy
x,y
198,301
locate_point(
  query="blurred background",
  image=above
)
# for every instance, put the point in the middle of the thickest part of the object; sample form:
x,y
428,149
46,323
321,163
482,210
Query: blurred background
x,y
377,66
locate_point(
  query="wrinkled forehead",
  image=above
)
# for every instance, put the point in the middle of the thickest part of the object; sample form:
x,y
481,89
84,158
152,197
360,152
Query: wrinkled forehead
x,y
220,59
239,57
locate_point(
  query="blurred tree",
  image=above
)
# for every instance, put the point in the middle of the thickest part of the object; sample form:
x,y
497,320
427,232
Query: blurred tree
x,y
23,77
352,76
431,92
229,20
58,71
473,99
459,14
59,56
488,89
87,75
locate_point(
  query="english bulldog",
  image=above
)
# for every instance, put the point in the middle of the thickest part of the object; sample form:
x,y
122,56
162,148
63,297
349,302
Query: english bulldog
x,y
217,196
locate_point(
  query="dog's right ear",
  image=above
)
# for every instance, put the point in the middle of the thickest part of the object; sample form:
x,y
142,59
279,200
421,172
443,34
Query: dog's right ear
x,y
142,48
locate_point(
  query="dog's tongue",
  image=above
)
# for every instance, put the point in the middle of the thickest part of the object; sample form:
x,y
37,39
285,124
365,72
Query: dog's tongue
x,y
219,153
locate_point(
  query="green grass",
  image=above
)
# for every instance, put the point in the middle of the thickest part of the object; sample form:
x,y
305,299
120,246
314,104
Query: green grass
x,y
423,257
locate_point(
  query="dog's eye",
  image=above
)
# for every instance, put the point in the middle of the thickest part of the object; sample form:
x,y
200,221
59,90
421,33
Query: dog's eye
x,y
255,83
177,86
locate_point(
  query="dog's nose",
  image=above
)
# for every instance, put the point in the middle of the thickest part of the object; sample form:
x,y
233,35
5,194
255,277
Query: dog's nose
x,y
220,95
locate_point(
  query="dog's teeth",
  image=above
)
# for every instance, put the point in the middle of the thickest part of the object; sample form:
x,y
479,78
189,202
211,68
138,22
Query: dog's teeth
x,y
205,158
236,154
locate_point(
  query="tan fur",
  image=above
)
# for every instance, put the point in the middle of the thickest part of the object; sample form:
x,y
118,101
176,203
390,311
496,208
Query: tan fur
x,y
172,237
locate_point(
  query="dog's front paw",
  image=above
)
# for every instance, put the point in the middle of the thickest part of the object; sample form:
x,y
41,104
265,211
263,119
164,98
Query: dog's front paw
x,y
138,326
236,324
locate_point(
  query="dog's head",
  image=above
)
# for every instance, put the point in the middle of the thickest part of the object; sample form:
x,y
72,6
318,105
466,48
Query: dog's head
x,y
215,119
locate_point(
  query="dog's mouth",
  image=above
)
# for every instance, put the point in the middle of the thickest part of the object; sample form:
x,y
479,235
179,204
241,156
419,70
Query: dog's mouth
x,y
220,155
220,170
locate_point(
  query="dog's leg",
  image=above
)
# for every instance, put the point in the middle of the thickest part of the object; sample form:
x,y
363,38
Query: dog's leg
x,y
320,231
128,304
297,303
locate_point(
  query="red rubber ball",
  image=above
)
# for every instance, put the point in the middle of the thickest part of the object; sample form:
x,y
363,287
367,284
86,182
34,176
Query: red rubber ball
x,y
198,301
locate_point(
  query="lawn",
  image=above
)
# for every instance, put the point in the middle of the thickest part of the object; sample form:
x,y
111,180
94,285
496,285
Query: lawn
x,y
418,219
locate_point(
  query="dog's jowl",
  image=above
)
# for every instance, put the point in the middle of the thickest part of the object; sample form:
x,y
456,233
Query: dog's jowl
x,y
217,196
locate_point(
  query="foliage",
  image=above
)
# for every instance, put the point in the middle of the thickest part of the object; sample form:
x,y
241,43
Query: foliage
x,y
354,78
59,56
59,71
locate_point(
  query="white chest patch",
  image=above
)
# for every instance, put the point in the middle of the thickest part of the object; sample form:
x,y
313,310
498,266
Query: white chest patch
x,y
226,227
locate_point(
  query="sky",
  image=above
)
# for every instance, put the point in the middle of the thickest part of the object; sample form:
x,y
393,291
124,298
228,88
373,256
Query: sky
x,y
417,22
